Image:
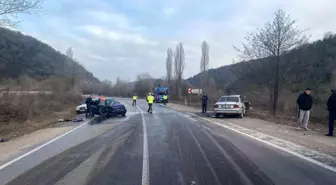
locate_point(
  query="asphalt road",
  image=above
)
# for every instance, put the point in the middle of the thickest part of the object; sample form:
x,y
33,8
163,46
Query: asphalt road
x,y
163,148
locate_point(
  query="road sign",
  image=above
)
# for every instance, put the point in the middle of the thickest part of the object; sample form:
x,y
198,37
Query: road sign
x,y
194,91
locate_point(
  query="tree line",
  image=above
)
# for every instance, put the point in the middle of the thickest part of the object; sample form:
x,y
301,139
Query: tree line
x,y
275,64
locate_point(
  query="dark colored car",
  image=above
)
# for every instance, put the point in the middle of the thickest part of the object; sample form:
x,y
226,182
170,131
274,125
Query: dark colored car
x,y
112,108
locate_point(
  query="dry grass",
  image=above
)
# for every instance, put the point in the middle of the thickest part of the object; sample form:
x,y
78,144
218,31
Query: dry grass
x,y
21,114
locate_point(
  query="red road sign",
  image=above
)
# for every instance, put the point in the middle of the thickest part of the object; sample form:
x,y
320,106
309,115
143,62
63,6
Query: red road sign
x,y
190,90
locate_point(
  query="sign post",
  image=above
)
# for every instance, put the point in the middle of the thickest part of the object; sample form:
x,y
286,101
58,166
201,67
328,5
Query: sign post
x,y
194,91
189,94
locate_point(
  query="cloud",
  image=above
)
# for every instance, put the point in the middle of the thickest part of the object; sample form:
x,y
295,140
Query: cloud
x,y
123,38
115,35
168,12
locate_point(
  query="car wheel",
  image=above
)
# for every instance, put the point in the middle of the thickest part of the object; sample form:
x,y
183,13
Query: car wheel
x,y
217,115
78,112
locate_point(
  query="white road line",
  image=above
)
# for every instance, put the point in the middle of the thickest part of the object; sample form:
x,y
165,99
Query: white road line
x,y
145,158
333,169
41,146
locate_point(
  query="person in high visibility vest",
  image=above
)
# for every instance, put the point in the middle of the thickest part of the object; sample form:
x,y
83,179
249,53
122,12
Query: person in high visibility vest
x,y
165,99
150,100
148,96
101,105
134,99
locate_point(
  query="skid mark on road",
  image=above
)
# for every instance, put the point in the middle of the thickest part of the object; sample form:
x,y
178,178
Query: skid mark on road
x,y
243,177
204,156
320,159
79,175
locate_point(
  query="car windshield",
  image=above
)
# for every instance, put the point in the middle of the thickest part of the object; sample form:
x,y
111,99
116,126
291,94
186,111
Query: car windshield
x,y
111,101
228,99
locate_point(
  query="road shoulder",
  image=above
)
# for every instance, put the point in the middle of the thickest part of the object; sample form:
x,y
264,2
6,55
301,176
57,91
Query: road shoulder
x,y
305,144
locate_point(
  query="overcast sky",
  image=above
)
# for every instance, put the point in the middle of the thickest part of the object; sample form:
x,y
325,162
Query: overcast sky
x,y
121,38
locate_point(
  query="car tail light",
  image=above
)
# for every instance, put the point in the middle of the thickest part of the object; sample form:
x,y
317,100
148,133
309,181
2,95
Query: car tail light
x,y
215,106
236,106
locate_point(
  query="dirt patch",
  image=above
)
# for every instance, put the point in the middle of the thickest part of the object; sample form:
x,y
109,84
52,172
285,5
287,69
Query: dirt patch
x,y
18,127
23,113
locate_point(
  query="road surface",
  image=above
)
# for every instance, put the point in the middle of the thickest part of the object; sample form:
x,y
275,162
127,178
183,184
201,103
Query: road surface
x,y
163,148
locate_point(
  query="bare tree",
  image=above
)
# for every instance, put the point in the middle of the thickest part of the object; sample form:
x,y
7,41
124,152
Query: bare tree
x,y
204,63
143,84
71,61
9,9
179,64
270,43
69,53
169,65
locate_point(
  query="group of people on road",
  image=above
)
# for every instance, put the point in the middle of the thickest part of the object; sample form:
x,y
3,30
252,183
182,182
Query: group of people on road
x,y
89,104
305,103
150,100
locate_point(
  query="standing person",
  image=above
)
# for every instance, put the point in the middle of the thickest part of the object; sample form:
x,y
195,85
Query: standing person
x,y
165,98
134,99
305,103
204,103
332,112
88,103
101,104
150,100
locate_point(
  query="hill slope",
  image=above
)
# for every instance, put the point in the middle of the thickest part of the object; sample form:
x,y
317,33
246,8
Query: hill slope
x,y
319,63
22,55
316,70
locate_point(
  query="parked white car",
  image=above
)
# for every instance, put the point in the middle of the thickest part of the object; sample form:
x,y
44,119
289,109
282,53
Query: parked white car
x,y
81,108
231,105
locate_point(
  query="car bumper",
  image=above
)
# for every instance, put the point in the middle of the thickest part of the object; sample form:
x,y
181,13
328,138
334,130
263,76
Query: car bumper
x,y
81,111
228,111
118,111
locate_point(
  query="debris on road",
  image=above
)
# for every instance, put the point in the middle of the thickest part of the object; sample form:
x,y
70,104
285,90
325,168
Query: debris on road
x,y
2,140
79,118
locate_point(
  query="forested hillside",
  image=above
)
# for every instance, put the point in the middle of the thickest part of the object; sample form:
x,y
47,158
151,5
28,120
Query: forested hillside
x,y
220,77
22,55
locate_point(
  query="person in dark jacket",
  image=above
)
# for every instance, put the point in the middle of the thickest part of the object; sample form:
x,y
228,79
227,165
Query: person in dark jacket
x,y
88,103
204,103
305,103
332,112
